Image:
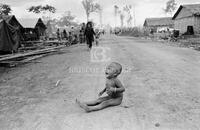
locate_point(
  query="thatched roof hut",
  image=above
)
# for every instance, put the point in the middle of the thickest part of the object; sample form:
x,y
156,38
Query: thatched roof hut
x,y
159,22
156,23
187,18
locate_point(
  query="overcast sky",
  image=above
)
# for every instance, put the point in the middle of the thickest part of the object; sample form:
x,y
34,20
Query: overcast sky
x,y
143,8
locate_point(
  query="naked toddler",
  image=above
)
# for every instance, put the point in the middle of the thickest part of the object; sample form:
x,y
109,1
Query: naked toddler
x,y
113,88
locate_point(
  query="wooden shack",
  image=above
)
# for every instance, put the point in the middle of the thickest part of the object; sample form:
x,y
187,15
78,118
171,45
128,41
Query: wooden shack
x,y
154,24
33,28
187,19
41,27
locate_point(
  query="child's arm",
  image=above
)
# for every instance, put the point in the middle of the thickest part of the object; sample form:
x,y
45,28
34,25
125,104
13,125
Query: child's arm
x,y
119,87
103,91
93,32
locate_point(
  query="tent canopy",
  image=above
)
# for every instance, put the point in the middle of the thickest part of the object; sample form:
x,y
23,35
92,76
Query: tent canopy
x,y
11,19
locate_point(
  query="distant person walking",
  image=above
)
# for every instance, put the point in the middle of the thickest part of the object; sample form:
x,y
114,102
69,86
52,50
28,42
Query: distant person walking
x,y
89,34
83,31
64,34
97,36
58,35
81,36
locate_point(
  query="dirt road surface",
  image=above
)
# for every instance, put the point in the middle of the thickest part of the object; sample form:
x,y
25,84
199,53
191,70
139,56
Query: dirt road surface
x,y
162,89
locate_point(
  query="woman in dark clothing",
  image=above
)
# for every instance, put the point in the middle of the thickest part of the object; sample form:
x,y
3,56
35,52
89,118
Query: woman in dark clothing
x,y
89,34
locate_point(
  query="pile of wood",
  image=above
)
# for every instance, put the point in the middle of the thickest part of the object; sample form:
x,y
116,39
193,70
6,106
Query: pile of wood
x,y
12,60
36,45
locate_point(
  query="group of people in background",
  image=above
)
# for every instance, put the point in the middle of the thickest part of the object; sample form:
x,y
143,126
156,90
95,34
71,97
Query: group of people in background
x,y
70,36
86,34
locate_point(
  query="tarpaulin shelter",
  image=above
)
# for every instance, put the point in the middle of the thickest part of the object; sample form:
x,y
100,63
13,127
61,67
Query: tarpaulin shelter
x,y
9,38
12,20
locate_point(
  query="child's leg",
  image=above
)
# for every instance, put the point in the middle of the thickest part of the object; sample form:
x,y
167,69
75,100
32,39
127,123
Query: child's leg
x,y
90,44
98,101
104,104
94,102
97,43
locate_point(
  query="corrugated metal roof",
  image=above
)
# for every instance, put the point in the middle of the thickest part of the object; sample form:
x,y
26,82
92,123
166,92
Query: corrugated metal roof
x,y
193,8
164,21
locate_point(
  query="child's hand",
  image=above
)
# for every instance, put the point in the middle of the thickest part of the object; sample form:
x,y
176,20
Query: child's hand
x,y
110,91
101,93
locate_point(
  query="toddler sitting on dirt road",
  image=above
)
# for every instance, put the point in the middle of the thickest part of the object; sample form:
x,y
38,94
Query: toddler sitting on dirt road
x,y
114,90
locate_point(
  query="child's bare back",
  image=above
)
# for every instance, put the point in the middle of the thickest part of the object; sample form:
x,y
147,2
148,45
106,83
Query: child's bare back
x,y
113,88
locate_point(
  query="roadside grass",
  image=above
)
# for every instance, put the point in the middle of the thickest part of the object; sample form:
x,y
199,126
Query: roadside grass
x,y
192,41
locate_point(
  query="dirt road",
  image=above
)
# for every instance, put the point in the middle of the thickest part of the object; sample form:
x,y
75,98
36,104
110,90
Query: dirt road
x,y
162,89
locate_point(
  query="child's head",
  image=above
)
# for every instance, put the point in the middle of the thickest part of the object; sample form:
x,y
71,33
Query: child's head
x,y
89,25
113,70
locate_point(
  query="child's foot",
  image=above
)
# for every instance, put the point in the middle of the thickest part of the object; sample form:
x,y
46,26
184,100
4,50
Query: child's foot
x,y
83,105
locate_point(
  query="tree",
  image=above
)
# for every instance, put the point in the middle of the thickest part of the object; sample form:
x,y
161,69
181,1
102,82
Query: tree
x,y
116,11
67,19
5,9
42,9
170,7
35,9
100,15
121,18
128,9
90,7
49,8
